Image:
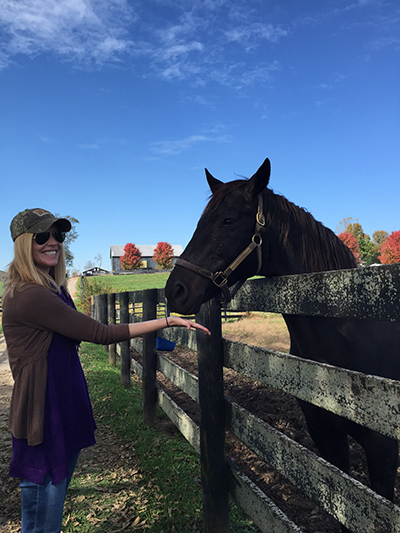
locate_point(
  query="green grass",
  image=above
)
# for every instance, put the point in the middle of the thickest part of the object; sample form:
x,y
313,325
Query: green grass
x,y
130,282
149,480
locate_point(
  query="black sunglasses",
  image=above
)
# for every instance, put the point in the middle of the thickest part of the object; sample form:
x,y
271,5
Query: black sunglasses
x,y
42,238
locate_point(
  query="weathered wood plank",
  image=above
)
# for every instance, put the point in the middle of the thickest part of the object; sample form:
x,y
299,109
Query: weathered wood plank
x,y
265,514
137,368
358,397
182,421
350,502
372,292
180,377
181,336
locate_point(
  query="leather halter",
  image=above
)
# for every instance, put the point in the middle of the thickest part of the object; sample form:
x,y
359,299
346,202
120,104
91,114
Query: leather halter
x,y
220,278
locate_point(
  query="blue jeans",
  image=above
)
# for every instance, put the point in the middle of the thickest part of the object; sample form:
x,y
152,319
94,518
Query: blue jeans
x,y
42,505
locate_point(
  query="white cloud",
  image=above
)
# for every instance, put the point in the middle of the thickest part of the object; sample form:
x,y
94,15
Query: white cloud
x,y
192,45
179,145
251,35
90,31
92,146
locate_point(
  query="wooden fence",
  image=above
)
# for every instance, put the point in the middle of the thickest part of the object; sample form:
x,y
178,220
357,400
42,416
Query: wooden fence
x,y
362,293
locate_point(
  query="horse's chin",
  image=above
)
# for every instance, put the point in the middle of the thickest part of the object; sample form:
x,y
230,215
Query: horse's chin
x,y
187,309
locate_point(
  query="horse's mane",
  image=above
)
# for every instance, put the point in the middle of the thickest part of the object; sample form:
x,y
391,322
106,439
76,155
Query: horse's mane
x,y
319,247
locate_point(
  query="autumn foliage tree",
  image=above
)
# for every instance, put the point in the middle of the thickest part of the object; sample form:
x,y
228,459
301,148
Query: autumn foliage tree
x,y
351,242
163,255
390,250
132,257
369,249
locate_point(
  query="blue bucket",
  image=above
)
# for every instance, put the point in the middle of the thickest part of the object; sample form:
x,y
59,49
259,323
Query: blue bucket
x,y
163,345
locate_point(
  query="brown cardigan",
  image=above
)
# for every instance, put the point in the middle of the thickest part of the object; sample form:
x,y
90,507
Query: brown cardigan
x,y
30,317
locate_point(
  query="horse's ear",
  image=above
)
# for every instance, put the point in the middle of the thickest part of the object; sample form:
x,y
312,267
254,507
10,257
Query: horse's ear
x,y
213,182
260,179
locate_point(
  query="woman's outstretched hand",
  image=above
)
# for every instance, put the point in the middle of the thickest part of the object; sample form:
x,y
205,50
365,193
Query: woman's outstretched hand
x,y
183,322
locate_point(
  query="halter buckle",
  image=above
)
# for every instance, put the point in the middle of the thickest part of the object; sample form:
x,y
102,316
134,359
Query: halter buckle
x,y
218,283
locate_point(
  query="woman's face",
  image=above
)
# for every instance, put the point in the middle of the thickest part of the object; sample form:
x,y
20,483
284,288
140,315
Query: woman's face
x,y
46,255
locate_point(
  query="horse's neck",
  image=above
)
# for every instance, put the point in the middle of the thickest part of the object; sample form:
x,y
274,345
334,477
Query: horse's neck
x,y
295,243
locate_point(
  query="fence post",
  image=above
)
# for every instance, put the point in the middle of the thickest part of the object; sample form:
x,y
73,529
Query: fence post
x,y
103,311
112,352
102,308
125,345
95,306
149,360
214,475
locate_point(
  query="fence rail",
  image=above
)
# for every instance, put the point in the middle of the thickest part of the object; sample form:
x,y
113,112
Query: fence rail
x,y
356,506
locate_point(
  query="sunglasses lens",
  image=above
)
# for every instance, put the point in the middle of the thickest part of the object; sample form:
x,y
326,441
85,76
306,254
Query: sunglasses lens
x,y
42,238
59,235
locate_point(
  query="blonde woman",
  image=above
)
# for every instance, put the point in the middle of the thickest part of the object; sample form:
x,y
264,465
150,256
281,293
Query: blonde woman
x,y
51,416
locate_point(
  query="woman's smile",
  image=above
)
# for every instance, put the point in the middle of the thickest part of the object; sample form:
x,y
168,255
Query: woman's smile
x,y
46,255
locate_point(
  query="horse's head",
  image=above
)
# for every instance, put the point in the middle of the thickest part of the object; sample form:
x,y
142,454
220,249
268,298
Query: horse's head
x,y
224,231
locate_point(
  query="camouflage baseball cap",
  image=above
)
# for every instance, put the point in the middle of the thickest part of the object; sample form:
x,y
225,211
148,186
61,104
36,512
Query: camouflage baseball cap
x,y
36,221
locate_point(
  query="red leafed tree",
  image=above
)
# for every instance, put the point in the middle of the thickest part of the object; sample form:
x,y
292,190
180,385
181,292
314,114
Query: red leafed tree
x,y
351,242
132,257
163,255
390,250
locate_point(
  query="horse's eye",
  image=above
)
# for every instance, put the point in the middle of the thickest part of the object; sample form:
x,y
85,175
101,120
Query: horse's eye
x,y
229,221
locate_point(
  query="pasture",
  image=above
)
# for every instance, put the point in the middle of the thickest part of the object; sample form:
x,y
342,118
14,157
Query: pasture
x,y
129,282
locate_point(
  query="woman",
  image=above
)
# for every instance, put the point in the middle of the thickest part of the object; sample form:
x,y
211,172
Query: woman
x,y
51,416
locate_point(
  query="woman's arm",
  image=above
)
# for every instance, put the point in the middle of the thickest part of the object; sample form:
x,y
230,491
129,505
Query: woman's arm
x,y
41,308
141,328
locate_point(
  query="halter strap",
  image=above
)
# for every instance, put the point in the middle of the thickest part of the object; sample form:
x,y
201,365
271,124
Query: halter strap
x,y
220,279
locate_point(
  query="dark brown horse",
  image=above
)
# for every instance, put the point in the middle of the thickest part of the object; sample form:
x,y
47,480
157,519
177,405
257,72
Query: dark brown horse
x,y
286,239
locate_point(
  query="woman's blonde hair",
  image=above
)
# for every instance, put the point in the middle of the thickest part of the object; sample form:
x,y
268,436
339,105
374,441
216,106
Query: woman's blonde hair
x,y
23,269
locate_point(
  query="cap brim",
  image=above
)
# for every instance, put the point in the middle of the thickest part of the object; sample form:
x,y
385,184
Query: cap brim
x,y
63,224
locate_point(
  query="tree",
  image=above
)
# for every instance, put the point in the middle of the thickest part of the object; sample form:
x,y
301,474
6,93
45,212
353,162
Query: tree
x,y
379,237
351,242
344,224
69,239
98,259
89,265
369,250
390,251
132,258
163,255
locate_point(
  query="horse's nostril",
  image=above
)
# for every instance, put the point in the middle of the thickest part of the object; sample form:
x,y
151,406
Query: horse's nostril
x,y
179,293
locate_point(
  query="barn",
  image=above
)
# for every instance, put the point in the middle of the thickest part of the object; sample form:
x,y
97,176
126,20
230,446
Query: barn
x,y
147,250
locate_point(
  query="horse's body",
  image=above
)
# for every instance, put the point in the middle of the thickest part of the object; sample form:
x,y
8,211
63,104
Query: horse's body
x,y
293,242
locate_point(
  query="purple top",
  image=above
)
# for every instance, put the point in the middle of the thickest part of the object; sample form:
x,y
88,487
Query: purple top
x,y
68,420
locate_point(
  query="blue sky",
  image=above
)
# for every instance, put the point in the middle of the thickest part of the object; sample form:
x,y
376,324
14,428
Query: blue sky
x,y
111,109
